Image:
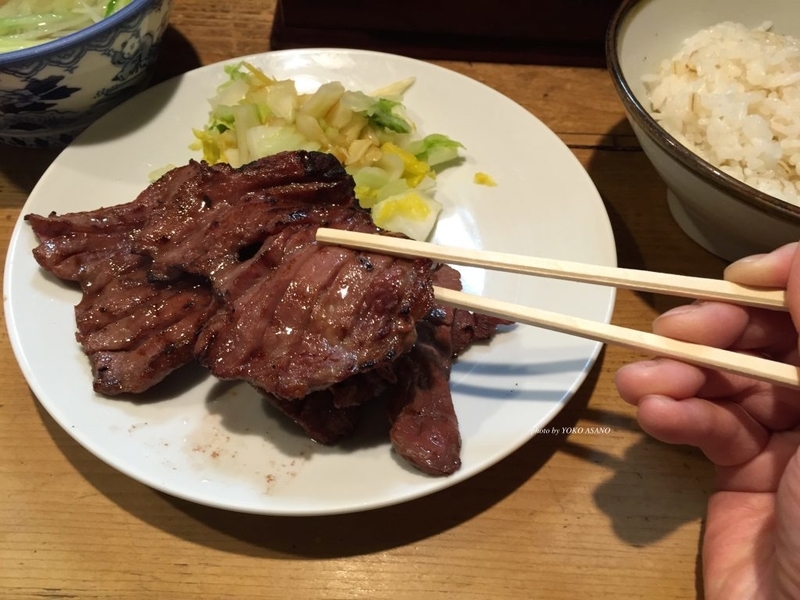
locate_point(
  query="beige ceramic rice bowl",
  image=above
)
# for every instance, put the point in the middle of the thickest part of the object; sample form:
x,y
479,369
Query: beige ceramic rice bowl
x,y
720,119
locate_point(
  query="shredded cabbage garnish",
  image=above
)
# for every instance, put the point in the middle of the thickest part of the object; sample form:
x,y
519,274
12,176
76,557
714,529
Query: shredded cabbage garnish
x,y
26,23
253,115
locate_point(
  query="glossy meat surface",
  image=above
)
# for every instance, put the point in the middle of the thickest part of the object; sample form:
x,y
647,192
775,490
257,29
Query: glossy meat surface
x,y
229,257
222,266
134,332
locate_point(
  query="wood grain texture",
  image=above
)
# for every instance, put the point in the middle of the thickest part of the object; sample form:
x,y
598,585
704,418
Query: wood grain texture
x,y
612,515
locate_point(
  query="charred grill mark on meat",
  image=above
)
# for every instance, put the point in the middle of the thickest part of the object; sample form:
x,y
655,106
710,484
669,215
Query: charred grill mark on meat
x,y
221,265
201,227
300,317
134,332
297,317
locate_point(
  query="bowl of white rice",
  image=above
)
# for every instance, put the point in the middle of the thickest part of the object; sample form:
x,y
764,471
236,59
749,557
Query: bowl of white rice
x,y
711,89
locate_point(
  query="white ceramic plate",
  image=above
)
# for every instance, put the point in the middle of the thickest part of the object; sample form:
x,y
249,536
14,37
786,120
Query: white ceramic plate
x,y
213,443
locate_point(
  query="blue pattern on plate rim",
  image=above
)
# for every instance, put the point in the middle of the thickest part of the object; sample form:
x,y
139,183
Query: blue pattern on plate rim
x,y
49,99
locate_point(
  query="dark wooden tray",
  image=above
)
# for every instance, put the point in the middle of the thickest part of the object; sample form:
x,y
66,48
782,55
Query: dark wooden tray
x,y
561,32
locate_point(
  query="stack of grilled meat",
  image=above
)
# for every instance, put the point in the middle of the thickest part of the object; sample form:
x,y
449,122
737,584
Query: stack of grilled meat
x,y
221,266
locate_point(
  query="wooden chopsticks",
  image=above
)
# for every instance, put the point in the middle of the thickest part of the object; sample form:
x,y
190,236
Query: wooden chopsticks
x,y
646,281
678,285
704,356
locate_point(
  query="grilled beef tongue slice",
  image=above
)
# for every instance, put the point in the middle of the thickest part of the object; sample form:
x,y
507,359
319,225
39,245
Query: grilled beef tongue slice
x,y
320,418
424,428
210,221
300,316
133,331
73,245
424,424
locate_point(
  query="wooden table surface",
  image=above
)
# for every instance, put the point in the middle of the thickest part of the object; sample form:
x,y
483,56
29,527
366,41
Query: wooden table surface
x,y
617,515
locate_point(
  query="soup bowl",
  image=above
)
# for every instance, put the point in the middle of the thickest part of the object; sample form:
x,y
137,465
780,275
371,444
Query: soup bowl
x,y
51,92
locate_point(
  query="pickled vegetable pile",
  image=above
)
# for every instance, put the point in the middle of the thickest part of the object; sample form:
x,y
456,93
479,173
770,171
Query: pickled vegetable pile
x,y
254,115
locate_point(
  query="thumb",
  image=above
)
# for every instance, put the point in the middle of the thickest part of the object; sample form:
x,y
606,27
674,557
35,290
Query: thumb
x,y
779,269
767,270
787,531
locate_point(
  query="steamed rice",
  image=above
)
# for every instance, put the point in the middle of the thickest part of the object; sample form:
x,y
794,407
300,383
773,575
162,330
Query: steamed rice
x,y
732,95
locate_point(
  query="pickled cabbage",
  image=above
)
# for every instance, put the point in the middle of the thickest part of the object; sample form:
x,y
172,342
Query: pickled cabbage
x,y
253,115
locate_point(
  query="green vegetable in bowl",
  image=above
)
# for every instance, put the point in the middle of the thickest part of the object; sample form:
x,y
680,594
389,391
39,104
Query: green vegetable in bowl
x,y
26,23
253,115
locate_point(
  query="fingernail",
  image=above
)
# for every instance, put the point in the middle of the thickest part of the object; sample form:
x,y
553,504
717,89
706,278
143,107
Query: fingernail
x,y
682,309
748,262
679,312
747,269
759,269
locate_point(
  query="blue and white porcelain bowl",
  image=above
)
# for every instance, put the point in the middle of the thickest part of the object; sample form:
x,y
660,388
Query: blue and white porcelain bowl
x,y
51,92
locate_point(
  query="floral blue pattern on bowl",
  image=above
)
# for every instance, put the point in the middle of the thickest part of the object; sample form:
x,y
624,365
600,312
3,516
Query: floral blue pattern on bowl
x,y
51,92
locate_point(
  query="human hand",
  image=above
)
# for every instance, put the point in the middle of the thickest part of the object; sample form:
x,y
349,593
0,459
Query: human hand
x,y
750,430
